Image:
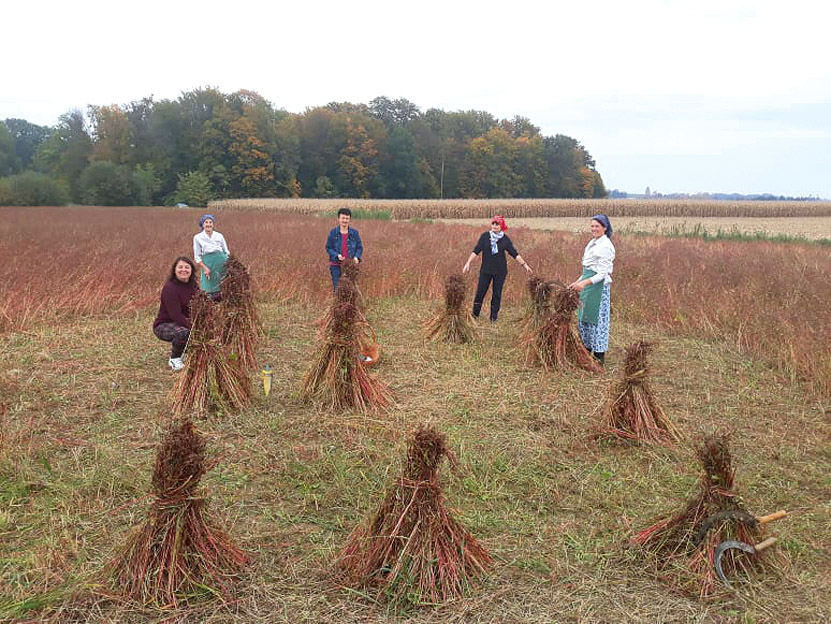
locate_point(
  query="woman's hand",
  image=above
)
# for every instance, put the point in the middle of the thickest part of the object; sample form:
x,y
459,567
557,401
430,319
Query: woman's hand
x,y
340,257
206,271
466,267
357,260
528,268
579,285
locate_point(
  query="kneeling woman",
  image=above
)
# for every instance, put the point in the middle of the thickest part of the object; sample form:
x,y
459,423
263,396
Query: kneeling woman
x,y
595,287
172,323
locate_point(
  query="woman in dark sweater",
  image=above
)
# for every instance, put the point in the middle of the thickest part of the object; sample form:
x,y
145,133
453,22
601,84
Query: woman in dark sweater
x,y
493,245
172,323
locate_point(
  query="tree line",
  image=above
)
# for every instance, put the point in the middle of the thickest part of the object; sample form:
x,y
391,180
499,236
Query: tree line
x,y
210,145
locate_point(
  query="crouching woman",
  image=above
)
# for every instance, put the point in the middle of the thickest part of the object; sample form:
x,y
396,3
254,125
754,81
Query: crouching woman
x,y
172,323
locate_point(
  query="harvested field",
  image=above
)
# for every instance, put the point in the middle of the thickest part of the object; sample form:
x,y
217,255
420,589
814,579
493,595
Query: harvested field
x,y
556,512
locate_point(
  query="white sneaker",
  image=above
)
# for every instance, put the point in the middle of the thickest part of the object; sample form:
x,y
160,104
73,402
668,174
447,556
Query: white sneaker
x,y
176,363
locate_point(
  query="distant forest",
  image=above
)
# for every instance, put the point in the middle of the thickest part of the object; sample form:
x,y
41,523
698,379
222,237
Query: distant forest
x,y
210,145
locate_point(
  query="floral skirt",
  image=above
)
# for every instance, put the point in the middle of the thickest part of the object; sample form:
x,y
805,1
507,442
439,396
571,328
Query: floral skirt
x,y
596,337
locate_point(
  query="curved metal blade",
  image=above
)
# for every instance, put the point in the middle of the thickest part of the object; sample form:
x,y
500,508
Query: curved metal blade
x,y
727,545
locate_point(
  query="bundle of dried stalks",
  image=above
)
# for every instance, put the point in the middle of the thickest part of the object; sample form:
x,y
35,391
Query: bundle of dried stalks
x,y
631,412
553,341
336,376
241,321
454,323
177,553
683,545
210,376
412,550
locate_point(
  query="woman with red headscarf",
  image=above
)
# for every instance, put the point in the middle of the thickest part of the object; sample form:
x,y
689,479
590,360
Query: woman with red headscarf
x,y
493,245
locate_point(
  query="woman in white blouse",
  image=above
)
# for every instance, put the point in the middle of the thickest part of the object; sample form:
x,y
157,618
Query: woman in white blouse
x,y
210,251
595,287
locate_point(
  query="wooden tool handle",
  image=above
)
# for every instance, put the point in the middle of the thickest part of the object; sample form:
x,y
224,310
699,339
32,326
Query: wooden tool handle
x,y
762,545
771,517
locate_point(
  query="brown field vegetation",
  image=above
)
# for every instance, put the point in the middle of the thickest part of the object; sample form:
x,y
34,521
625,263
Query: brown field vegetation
x,y
766,299
486,208
809,228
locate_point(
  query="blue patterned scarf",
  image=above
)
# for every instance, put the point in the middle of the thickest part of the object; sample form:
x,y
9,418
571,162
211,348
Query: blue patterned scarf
x,y
494,239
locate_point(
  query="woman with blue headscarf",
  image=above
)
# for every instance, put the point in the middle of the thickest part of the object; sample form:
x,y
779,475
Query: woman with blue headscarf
x,y
595,287
210,251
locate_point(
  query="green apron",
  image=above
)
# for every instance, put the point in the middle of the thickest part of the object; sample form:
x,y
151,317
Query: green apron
x,y
590,299
215,261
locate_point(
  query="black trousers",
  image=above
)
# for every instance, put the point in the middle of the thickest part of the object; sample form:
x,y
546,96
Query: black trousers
x,y
482,289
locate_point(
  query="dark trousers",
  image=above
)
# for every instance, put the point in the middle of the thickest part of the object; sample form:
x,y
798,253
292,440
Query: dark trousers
x,y
482,290
335,271
175,334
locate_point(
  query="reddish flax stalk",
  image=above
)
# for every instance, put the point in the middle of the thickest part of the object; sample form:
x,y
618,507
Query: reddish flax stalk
x,y
631,411
554,342
683,545
336,375
177,553
454,323
241,321
210,376
412,550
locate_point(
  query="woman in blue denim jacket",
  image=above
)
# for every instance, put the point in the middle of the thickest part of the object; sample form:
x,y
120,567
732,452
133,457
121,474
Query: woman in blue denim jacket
x,y
343,244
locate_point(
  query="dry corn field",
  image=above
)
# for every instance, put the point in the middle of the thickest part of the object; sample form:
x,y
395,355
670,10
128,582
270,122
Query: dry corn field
x,y
741,333
485,208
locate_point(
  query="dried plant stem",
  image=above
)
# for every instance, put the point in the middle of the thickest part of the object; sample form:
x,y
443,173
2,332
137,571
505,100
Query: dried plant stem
x,y
412,550
631,411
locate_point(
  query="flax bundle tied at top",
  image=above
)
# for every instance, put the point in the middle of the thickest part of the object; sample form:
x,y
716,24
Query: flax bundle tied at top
x,y
682,545
631,411
454,323
549,333
337,377
241,321
211,377
177,554
412,550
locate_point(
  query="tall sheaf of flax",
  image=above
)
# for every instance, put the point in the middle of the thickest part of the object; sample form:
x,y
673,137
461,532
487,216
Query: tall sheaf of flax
x,y
454,323
412,550
681,546
210,376
177,553
631,411
241,321
550,334
336,376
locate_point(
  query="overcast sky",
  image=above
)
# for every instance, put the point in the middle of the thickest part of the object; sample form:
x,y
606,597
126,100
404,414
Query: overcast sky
x,y
677,95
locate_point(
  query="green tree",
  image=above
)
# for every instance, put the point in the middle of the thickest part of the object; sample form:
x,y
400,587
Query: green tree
x,y
66,152
9,162
148,184
488,169
324,188
31,188
194,189
27,136
106,184
401,168
111,134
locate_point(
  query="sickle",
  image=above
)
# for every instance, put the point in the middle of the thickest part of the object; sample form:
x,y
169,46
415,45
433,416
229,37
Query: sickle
x,y
743,546
739,516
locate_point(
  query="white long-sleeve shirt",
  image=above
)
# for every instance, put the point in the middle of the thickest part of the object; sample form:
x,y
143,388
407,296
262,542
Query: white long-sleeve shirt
x,y
204,244
599,256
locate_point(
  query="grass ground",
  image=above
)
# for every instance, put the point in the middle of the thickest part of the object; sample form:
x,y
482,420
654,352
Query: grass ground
x,y
86,400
